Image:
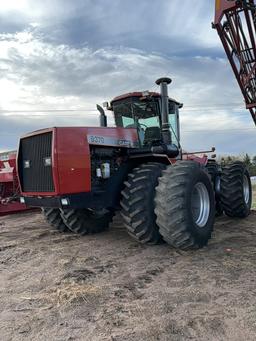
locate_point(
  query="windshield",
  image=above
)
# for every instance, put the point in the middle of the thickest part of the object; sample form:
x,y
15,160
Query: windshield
x,y
144,115
131,110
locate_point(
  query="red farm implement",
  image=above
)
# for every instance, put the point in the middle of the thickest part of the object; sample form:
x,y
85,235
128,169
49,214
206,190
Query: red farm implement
x,y
235,22
9,188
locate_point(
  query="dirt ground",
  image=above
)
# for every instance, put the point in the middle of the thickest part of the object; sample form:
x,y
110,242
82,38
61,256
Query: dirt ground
x,y
108,287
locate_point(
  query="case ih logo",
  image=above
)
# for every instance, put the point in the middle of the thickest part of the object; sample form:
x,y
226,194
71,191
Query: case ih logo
x,y
124,143
109,141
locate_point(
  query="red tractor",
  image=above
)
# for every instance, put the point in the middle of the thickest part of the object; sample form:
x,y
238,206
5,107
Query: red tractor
x,y
81,176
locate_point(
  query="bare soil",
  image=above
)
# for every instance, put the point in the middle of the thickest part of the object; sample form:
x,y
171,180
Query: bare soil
x,y
108,287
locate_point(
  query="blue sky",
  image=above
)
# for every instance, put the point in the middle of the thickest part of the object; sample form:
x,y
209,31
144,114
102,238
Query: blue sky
x,y
70,55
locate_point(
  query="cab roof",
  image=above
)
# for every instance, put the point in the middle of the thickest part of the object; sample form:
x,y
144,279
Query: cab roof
x,y
140,94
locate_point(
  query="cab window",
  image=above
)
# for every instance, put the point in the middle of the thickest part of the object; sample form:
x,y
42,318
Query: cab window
x,y
173,121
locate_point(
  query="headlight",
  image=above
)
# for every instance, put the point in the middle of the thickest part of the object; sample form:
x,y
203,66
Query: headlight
x,y
47,161
27,164
65,202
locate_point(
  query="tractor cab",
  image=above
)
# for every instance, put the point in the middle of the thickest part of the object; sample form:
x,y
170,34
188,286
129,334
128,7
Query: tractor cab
x,y
154,115
142,110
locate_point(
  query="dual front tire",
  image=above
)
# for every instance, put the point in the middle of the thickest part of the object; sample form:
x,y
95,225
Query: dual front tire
x,y
138,205
185,205
173,203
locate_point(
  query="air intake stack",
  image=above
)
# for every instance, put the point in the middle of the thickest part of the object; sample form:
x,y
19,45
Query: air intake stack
x,y
163,83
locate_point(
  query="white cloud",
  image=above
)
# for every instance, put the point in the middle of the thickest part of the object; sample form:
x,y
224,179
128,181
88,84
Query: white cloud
x,y
10,5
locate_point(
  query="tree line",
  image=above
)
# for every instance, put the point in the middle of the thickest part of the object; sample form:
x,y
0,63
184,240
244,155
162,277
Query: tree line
x,y
247,159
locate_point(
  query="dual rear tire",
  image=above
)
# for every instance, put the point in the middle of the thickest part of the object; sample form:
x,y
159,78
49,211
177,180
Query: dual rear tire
x,y
236,190
54,219
86,221
78,221
214,171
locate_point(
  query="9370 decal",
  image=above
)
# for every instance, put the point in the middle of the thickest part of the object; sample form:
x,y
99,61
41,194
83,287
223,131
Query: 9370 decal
x,y
109,141
96,139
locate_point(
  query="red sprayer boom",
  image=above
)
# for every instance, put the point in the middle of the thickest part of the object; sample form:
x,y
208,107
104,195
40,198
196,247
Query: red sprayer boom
x,y
235,22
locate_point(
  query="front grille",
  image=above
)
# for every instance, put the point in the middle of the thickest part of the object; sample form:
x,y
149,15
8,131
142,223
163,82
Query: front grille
x,y
34,175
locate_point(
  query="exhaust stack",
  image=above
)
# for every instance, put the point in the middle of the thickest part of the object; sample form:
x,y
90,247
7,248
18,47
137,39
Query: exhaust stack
x,y
103,117
163,83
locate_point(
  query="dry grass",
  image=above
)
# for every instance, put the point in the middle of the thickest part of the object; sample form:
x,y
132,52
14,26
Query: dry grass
x,y
66,294
72,292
